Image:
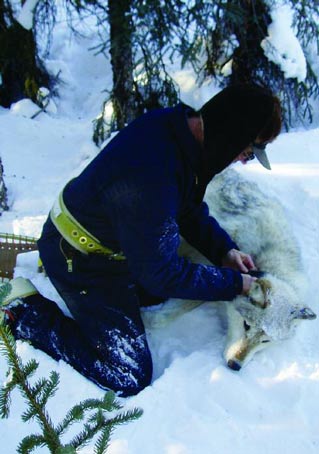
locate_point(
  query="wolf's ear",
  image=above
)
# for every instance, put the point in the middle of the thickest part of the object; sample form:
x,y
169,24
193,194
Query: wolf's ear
x,y
259,293
304,313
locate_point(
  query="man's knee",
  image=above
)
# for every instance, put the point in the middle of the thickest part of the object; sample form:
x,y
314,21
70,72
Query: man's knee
x,y
124,364
137,382
126,379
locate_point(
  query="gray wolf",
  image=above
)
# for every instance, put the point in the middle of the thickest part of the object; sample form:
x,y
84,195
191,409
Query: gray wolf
x,y
274,306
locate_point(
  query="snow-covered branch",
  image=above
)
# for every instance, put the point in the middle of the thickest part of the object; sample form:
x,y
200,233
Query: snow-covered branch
x,y
25,17
281,46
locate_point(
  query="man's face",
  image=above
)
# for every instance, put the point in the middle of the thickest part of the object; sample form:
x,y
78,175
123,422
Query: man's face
x,y
246,155
249,153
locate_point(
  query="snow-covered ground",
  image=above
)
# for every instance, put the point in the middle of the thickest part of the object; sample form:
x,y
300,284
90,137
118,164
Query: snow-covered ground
x,y
195,404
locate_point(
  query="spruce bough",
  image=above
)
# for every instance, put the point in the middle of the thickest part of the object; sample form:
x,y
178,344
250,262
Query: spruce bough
x,y
92,413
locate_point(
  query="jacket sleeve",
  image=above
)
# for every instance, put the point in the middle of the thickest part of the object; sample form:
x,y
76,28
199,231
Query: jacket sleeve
x,y
204,233
145,223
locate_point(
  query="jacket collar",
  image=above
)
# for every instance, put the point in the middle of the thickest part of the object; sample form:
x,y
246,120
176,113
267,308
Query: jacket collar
x,y
189,147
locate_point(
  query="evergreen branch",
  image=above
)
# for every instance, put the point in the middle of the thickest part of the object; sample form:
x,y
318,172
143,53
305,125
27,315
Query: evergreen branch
x,y
85,435
89,404
9,346
30,367
5,398
109,402
109,425
29,443
28,414
50,387
76,413
68,449
39,386
123,418
7,343
95,423
102,443
97,418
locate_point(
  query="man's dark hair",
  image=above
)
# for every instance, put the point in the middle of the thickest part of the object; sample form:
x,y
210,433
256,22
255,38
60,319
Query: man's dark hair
x,y
273,127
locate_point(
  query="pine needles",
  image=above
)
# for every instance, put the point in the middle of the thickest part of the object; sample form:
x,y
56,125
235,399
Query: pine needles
x,y
93,414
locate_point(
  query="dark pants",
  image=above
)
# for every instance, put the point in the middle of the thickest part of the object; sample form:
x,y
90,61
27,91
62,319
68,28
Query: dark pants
x,y
105,340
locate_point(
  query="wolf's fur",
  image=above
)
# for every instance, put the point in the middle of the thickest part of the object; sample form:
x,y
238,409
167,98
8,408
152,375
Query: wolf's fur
x,y
259,226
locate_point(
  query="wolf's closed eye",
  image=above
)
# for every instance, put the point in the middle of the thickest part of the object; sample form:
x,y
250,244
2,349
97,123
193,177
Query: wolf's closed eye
x,y
246,326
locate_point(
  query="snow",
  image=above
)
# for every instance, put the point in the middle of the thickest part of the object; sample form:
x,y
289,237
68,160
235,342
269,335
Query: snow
x,y
25,17
281,45
195,404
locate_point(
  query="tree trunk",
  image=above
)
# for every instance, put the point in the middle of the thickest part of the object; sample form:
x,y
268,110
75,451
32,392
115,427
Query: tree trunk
x,y
3,191
249,56
121,30
22,74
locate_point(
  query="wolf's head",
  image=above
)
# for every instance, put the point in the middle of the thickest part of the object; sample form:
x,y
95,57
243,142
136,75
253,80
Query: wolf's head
x,y
269,314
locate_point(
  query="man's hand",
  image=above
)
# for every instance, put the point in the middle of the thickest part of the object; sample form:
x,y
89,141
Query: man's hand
x,y
247,282
238,261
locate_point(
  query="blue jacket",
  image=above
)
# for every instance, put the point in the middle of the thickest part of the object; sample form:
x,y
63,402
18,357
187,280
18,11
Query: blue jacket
x,y
139,195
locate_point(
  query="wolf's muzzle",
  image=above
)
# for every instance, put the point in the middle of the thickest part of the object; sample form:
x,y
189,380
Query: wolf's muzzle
x,y
234,365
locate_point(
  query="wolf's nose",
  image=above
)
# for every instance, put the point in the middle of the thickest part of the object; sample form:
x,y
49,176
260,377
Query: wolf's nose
x,y
233,365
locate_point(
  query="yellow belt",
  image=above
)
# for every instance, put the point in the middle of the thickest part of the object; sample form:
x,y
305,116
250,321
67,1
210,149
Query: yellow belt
x,y
76,235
